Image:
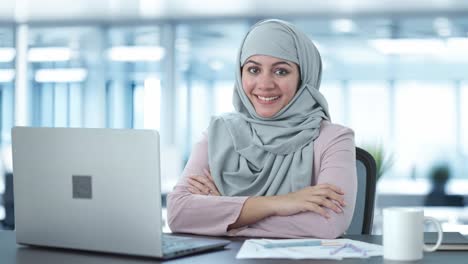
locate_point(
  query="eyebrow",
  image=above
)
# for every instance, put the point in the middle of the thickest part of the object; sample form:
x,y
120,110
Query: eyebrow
x,y
274,64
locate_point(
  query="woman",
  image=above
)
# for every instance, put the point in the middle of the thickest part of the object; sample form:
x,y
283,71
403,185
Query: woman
x,y
276,167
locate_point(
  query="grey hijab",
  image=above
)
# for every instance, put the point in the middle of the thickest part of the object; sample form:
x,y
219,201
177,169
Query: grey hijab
x,y
250,155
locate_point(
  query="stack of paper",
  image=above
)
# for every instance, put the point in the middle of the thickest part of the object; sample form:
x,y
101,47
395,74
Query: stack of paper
x,y
308,249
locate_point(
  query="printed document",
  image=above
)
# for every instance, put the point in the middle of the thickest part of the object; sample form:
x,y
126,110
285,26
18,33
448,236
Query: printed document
x,y
308,249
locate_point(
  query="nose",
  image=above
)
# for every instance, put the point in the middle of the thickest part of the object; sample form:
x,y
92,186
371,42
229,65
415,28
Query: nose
x,y
265,81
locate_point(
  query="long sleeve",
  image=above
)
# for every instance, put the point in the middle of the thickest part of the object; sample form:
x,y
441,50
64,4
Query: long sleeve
x,y
334,163
200,214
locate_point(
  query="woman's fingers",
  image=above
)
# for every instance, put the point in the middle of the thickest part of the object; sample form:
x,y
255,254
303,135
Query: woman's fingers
x,y
193,190
318,199
207,182
208,174
317,209
325,191
330,195
203,184
330,186
198,186
322,201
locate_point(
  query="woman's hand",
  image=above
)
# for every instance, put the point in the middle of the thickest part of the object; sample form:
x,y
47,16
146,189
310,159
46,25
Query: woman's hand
x,y
313,198
204,184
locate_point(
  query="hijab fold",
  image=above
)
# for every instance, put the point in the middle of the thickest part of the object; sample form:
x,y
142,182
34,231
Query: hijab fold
x,y
250,155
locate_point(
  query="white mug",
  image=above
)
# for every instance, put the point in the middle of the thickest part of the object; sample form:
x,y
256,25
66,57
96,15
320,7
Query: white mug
x,y
403,233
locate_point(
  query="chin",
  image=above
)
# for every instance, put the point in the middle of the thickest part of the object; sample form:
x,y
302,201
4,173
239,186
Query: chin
x,y
266,114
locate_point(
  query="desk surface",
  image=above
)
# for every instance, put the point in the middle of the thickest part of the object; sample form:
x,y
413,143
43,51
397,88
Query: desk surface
x,y
10,253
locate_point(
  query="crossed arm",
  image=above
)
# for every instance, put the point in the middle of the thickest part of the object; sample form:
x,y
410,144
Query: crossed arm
x,y
313,198
323,210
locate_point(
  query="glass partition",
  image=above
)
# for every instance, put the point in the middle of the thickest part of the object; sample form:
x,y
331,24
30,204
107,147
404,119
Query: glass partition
x,y
205,56
425,125
7,80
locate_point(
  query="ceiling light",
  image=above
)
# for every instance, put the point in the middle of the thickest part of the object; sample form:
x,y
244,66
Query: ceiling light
x,y
216,65
408,46
60,75
49,54
136,53
343,25
7,54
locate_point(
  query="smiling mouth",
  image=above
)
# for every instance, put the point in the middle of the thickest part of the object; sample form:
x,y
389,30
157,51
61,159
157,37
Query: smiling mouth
x,y
268,99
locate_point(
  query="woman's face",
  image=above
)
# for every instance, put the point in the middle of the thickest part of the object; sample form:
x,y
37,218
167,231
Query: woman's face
x,y
270,83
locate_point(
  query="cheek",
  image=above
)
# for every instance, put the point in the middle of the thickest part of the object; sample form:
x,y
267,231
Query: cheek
x,y
289,90
247,86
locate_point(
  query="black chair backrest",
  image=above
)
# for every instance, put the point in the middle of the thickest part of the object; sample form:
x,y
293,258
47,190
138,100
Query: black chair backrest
x,y
366,184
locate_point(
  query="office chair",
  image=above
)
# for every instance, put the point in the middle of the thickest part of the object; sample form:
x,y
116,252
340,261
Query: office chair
x,y
366,183
9,221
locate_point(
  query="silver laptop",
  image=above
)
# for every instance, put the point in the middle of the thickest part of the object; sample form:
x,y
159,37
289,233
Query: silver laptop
x,y
93,189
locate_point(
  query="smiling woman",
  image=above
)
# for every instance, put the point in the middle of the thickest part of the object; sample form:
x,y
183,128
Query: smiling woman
x,y
276,167
270,83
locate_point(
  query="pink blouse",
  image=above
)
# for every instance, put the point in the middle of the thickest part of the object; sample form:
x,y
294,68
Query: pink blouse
x,y
334,163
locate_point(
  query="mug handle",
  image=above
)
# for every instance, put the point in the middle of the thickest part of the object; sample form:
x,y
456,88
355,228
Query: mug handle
x,y
440,234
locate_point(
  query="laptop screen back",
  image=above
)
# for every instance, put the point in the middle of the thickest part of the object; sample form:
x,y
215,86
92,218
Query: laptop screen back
x,y
86,188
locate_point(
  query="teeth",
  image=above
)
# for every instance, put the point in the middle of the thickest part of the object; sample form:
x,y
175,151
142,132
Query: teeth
x,y
267,98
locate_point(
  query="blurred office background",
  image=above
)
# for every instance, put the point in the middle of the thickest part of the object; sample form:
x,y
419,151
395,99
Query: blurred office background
x,y
394,71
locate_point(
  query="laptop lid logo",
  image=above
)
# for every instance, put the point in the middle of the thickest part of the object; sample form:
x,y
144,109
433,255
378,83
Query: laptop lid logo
x,y
82,187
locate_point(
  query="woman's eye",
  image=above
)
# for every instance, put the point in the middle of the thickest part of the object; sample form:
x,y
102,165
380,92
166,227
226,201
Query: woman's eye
x,y
253,70
281,72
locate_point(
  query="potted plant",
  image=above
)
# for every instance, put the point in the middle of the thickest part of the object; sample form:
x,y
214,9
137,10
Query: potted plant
x,y
383,160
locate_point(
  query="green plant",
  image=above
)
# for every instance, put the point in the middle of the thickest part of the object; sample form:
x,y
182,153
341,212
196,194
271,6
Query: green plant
x,y
383,160
440,174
